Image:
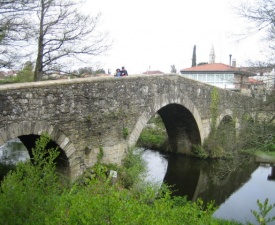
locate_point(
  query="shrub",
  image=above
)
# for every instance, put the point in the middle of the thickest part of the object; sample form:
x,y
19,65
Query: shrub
x,y
134,167
199,152
32,194
152,138
264,209
27,193
5,168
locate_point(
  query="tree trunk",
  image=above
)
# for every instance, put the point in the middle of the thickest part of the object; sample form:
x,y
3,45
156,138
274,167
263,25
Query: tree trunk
x,y
38,72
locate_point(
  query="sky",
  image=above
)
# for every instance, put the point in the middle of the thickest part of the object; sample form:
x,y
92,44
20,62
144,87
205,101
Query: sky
x,y
155,34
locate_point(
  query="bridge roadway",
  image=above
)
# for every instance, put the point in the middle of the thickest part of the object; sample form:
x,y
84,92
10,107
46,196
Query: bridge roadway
x,y
85,115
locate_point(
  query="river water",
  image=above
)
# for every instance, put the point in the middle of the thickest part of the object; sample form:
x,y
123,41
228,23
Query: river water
x,y
235,193
13,151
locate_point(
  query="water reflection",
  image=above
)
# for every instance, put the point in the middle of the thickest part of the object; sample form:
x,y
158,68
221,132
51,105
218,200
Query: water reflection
x,y
13,151
239,205
236,193
272,175
205,179
157,166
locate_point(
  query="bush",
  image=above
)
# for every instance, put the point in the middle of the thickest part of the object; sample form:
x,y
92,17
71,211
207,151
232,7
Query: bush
x,y
152,138
5,168
199,152
32,194
28,193
133,169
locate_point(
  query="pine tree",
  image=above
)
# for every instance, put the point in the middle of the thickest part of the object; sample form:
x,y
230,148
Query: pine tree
x,y
194,63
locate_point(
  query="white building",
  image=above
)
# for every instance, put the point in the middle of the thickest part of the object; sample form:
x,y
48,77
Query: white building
x,y
220,75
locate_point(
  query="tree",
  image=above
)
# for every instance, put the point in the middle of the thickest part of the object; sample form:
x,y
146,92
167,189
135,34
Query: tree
x,y
61,33
194,63
202,63
99,71
13,27
261,17
173,69
88,70
26,74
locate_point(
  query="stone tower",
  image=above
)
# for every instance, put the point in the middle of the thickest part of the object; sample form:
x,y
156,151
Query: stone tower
x,y
212,55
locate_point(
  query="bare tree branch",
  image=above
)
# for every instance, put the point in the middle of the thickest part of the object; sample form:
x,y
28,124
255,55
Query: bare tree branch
x,y
57,28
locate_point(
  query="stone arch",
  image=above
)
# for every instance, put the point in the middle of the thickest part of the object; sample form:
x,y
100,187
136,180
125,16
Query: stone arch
x,y
159,103
15,130
226,131
224,114
230,113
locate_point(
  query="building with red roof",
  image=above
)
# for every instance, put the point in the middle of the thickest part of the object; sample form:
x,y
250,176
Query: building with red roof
x,y
220,75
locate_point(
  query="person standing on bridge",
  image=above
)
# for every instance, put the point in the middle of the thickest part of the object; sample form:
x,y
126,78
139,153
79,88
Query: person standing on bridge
x,y
124,72
118,73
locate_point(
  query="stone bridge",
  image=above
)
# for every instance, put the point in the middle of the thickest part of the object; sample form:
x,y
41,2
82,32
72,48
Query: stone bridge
x,y
87,115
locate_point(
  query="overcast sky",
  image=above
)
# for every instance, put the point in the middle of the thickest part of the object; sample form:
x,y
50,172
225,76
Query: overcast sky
x,y
155,34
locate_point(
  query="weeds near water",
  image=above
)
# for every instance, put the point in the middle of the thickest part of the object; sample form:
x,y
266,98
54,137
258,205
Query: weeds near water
x,y
264,209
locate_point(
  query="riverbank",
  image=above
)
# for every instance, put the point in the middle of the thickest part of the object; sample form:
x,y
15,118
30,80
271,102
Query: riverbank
x,y
265,157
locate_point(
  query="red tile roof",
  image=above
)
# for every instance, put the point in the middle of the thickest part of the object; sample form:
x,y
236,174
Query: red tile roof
x,y
216,67
211,67
254,81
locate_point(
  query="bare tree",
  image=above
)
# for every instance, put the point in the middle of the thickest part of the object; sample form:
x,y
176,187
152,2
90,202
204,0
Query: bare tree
x,y
13,30
62,34
261,18
259,132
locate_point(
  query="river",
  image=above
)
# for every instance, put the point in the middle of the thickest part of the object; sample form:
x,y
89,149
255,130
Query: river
x,y
235,193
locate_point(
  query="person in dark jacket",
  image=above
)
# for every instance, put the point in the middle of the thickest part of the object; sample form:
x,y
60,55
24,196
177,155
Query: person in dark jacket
x,y
124,72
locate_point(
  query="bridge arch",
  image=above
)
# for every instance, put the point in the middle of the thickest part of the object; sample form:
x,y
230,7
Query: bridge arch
x,y
190,128
24,129
226,113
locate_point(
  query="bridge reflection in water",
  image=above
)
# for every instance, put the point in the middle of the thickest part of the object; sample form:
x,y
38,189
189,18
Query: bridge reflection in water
x,y
208,180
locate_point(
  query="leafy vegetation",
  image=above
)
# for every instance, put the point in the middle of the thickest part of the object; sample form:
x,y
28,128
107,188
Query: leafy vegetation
x,y
153,136
264,209
5,168
24,75
34,194
125,132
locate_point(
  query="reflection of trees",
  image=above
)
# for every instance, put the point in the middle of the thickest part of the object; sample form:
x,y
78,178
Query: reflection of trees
x,y
207,179
218,184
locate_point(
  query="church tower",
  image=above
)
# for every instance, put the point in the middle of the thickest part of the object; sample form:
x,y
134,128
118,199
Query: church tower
x,y
212,55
